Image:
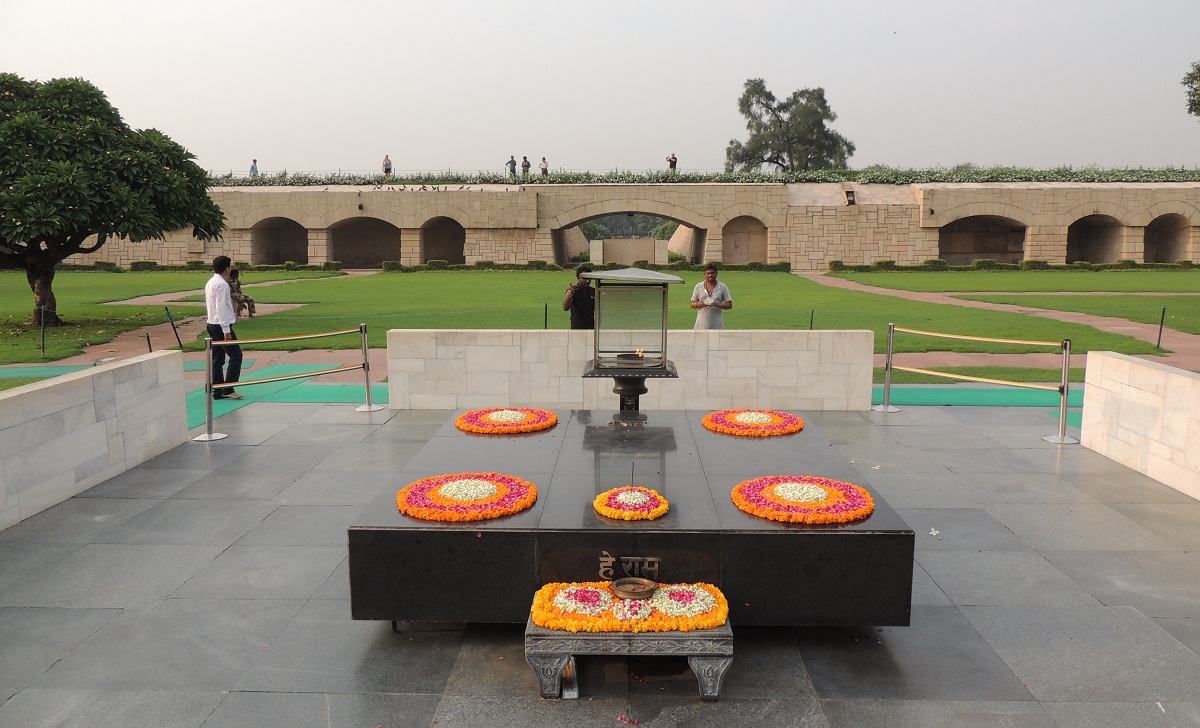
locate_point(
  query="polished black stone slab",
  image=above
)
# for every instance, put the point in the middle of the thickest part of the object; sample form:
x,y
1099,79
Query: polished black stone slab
x,y
773,573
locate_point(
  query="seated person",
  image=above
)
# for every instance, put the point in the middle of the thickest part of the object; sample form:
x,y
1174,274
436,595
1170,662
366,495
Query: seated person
x,y
240,300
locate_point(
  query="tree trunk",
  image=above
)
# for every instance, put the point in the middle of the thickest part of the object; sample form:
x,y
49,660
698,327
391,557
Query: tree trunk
x,y
45,305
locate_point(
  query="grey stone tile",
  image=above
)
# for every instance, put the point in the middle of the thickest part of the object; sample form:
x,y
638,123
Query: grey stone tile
x,y
264,572
395,431
948,529
999,419
997,460
1158,584
1071,459
240,433
1029,436
34,638
1076,527
924,490
939,656
337,585
347,414
242,484
766,665
304,710
280,456
1124,486
1187,631
180,644
323,435
304,525
928,437
491,662
150,483
527,711
1002,578
423,417
339,655
21,560
896,459
334,488
925,592
1123,715
374,456
110,575
77,520
1089,653
217,522
783,711
915,416
1178,523
288,413
34,708
935,714
1026,488
199,456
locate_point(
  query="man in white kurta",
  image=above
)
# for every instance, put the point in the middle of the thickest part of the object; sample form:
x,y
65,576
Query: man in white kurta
x,y
710,297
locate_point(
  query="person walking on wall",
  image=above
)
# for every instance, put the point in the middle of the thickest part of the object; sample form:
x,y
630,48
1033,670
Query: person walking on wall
x,y
218,300
387,166
512,166
710,297
581,300
542,165
671,161
525,165
253,167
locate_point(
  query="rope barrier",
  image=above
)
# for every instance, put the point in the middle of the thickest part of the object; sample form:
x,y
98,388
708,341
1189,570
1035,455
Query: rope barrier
x,y
238,342
1063,387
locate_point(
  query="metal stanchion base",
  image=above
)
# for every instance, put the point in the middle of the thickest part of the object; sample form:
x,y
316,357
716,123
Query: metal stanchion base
x,y
885,408
209,438
368,408
1065,440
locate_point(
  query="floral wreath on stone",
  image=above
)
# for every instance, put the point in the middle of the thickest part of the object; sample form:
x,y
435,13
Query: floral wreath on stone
x,y
803,499
752,422
505,420
631,503
592,607
466,497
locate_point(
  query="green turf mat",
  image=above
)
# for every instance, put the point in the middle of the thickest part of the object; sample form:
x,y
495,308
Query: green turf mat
x,y
1074,419
256,393
975,397
39,372
198,365
330,393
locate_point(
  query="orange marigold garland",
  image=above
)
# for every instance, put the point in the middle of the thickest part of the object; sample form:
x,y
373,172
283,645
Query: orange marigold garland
x,y
631,503
803,499
466,497
505,420
752,422
592,607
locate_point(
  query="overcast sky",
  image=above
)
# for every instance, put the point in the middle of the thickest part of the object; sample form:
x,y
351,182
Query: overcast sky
x,y
314,86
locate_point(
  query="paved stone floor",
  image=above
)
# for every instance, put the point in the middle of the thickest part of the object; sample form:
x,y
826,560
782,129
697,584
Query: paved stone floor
x,y
208,587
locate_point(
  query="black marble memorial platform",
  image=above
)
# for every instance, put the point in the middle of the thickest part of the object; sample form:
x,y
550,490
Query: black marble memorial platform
x,y
773,573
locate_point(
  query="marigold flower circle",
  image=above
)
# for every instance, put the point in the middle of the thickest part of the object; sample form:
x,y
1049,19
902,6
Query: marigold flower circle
x,y
466,497
631,503
592,607
752,422
505,420
803,499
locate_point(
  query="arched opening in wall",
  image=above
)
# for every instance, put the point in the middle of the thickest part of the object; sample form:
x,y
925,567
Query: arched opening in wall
x,y
628,237
1094,239
277,240
982,236
364,242
442,238
744,239
1167,239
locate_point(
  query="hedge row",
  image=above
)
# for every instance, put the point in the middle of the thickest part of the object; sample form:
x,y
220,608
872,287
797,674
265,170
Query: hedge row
x,y
192,265
837,266
393,266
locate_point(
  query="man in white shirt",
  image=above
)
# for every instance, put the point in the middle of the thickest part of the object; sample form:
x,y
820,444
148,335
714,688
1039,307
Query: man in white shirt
x,y
221,317
710,297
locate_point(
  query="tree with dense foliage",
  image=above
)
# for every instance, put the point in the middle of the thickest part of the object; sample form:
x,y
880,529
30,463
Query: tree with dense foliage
x,y
1191,84
73,175
791,134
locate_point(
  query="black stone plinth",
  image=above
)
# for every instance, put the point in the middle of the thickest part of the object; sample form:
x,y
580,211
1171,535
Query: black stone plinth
x,y
630,380
773,573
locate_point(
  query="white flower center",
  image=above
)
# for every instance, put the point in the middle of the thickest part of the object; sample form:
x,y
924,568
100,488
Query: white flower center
x,y
468,489
800,492
751,418
506,415
632,497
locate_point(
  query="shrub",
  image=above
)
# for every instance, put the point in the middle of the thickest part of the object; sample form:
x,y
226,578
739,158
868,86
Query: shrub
x,y
935,264
583,257
1034,265
140,265
836,265
1184,264
289,265
884,265
197,265
673,257
242,265
644,264
537,265
107,266
331,265
393,266
485,264
984,264
437,265
1081,265
1125,263
268,267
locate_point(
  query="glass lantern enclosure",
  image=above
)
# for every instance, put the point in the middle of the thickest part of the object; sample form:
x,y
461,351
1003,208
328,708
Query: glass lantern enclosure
x,y
631,318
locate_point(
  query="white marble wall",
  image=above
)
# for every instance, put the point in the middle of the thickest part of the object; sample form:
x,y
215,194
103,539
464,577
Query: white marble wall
x,y
1145,416
61,436
790,370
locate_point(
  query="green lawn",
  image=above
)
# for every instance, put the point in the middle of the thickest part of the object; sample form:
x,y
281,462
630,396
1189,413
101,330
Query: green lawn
x,y
509,299
1183,312
1048,281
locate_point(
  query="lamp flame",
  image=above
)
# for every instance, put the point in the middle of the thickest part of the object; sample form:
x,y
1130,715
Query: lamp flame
x,y
639,353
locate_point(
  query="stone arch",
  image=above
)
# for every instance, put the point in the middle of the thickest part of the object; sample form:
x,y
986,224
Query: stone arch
x,y
982,236
744,240
1177,207
1019,215
1122,215
1167,238
443,238
1094,239
339,216
276,240
364,242
637,206
746,209
266,212
430,212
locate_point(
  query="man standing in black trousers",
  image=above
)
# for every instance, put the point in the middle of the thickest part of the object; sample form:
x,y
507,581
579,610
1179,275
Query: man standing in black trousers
x,y
221,316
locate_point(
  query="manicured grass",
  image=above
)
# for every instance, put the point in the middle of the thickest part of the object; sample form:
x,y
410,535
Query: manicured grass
x,y
14,383
1009,374
1183,312
1120,281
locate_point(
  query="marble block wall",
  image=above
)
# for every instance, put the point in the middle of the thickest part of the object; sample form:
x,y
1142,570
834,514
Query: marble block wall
x,y
61,436
1146,416
790,370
